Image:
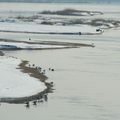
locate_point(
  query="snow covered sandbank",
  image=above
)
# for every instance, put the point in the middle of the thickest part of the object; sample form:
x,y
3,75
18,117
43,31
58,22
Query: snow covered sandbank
x,y
27,46
14,83
48,29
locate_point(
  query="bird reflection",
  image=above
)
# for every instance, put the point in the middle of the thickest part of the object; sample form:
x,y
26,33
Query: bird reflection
x,y
27,105
45,98
37,100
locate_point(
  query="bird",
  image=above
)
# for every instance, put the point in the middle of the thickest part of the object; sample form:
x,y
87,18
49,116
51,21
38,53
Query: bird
x,y
43,71
52,69
34,102
45,97
51,83
27,105
33,65
39,68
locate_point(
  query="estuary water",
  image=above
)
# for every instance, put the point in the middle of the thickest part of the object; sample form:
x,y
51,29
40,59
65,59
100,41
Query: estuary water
x,y
86,80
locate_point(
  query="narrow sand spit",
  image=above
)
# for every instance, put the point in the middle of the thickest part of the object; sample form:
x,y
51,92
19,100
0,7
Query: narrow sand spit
x,y
54,44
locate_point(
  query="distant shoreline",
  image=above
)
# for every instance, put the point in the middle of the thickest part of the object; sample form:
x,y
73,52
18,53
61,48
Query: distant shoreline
x,y
61,2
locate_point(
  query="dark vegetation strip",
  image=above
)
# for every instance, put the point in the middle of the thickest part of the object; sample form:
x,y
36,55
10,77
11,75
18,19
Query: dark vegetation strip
x,y
51,33
71,12
64,44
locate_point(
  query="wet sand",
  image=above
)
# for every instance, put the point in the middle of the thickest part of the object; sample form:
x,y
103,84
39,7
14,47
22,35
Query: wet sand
x,y
32,71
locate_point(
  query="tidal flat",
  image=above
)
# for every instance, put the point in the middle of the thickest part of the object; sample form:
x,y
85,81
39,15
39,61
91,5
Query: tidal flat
x,y
86,79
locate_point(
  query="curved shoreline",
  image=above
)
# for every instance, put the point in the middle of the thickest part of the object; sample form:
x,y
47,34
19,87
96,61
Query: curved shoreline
x,y
52,33
33,72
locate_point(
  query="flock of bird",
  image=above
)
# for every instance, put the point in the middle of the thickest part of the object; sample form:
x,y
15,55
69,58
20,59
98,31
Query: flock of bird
x,y
40,69
39,99
35,102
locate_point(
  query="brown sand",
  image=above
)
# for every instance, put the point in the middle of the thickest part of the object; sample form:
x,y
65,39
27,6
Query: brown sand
x,y
33,72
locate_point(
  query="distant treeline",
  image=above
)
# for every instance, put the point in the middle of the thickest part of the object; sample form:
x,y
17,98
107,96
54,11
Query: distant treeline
x,y
64,1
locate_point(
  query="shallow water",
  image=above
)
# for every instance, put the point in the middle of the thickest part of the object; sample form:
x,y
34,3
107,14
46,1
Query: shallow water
x,y
86,80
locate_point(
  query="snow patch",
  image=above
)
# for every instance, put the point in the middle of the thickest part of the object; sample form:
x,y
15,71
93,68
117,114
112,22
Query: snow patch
x,y
14,83
15,45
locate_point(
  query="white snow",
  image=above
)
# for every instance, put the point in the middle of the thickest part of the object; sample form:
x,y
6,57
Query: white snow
x,y
4,45
14,83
